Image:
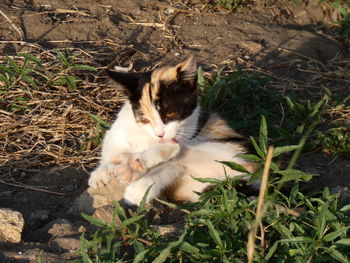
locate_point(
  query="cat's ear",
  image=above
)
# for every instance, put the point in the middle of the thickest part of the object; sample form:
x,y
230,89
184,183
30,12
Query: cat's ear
x,y
187,71
188,68
129,81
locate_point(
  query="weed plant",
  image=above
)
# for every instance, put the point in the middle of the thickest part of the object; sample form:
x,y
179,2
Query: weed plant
x,y
243,97
344,9
32,73
294,227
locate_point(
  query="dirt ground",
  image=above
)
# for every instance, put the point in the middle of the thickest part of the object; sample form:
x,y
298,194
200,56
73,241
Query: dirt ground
x,y
296,44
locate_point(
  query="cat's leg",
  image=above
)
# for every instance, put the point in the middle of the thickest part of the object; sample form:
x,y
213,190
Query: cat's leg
x,y
201,162
158,179
140,163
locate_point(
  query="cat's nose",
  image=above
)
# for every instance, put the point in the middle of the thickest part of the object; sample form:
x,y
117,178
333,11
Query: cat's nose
x,y
160,134
159,131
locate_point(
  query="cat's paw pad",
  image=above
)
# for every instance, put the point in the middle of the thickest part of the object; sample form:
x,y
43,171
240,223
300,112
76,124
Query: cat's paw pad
x,y
132,170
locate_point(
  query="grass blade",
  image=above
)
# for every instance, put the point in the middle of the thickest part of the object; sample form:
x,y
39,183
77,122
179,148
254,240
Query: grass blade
x,y
214,234
99,120
235,166
30,57
95,221
263,135
339,256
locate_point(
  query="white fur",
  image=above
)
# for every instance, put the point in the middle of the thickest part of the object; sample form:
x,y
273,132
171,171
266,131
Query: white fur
x,y
197,159
127,137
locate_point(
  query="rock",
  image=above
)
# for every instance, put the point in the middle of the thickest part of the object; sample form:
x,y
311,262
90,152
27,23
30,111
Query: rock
x,y
173,229
105,213
83,204
11,225
37,219
61,244
169,231
63,227
57,228
251,46
91,199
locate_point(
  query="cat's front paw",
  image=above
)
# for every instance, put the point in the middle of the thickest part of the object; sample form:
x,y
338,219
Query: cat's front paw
x,y
98,178
103,174
132,170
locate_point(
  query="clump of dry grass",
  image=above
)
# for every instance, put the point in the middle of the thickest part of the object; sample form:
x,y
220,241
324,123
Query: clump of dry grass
x,y
50,125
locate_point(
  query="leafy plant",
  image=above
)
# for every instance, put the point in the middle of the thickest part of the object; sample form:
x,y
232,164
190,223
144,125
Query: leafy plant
x,y
335,140
32,73
293,228
13,73
333,135
63,76
242,98
344,10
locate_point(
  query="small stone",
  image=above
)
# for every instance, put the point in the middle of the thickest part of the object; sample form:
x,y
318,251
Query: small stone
x,y
82,229
250,46
169,11
105,213
61,227
60,244
169,230
11,225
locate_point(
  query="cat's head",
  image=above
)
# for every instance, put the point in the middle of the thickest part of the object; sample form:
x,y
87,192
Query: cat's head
x,y
162,99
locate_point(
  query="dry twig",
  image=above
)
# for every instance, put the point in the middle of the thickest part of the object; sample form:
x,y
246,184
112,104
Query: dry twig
x,y
33,188
259,209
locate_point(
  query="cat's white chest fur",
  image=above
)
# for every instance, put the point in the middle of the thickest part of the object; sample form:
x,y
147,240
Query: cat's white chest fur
x,y
126,136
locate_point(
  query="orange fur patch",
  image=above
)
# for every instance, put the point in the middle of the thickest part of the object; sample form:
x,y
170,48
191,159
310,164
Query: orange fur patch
x,y
146,105
218,128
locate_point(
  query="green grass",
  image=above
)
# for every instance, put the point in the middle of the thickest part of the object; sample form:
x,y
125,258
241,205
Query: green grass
x,y
243,97
217,227
32,72
294,227
343,6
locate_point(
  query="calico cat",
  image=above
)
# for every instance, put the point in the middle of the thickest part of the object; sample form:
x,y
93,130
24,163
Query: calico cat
x,y
161,137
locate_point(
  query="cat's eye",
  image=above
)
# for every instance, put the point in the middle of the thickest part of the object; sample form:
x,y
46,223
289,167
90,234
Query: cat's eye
x,y
143,120
171,115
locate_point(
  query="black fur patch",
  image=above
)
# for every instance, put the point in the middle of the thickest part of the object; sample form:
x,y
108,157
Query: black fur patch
x,y
178,98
